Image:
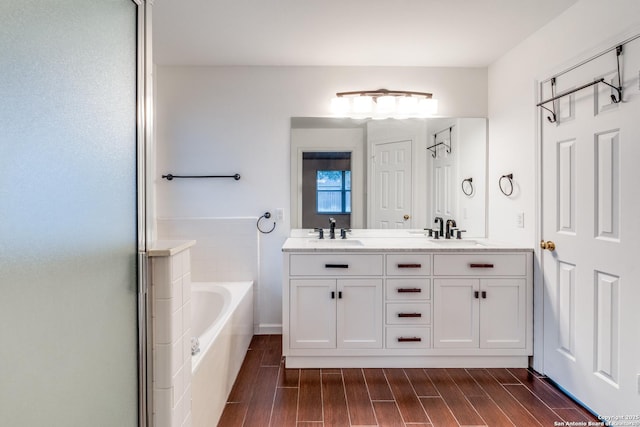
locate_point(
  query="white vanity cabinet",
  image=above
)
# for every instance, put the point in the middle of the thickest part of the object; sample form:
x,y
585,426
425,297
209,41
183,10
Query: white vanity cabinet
x,y
328,308
335,313
406,307
488,311
479,313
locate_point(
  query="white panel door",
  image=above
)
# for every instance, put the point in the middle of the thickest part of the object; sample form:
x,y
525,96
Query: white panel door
x,y
393,184
455,313
444,185
591,210
313,313
503,313
359,313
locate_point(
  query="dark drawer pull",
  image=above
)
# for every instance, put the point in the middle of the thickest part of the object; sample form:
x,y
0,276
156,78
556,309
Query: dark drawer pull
x,y
409,339
408,290
336,266
481,265
409,265
409,314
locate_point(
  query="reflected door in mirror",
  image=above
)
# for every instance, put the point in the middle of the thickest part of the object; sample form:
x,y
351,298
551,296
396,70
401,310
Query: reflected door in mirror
x,y
392,186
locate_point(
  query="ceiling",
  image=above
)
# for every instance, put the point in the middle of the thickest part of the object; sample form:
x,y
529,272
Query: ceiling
x,y
428,33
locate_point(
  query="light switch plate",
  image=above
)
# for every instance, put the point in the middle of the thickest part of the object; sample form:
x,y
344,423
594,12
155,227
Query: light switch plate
x,y
520,219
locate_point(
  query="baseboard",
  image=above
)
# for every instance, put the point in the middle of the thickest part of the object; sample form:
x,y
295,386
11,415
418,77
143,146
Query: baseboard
x,y
268,329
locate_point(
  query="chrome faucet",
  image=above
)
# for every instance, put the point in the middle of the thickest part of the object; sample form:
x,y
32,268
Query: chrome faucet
x,y
332,228
440,232
451,224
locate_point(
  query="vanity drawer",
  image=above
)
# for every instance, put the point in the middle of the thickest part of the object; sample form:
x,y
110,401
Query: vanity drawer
x,y
408,289
408,265
408,337
480,264
408,313
335,265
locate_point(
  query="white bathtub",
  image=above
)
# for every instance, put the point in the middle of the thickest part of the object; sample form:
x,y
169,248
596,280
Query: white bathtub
x,y
222,320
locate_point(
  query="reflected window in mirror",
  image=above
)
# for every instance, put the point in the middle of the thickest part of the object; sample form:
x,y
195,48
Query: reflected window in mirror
x,y
326,182
333,191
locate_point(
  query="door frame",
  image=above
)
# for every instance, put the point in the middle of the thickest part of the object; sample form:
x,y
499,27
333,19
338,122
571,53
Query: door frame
x,y
300,145
538,268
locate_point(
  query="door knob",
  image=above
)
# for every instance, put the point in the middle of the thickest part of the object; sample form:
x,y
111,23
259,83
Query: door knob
x,y
406,217
548,245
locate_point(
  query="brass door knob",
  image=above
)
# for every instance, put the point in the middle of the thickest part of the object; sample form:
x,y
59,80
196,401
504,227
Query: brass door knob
x,y
548,245
406,217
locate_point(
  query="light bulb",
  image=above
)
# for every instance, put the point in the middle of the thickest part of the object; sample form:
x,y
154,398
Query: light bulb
x,y
340,106
362,106
427,107
386,104
407,107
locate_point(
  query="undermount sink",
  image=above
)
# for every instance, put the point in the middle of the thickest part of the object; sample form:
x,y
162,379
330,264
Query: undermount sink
x,y
457,242
335,242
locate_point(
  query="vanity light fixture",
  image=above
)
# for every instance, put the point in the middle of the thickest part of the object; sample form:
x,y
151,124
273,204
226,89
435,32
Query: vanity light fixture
x,y
383,104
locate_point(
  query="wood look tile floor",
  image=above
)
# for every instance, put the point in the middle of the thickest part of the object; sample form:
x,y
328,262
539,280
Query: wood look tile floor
x,y
267,394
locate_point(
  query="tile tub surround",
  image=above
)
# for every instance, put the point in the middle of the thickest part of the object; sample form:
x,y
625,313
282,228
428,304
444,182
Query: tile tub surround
x,y
228,250
171,318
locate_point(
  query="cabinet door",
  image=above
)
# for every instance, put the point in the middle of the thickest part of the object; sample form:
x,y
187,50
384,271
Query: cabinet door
x,y
455,310
312,313
503,313
359,313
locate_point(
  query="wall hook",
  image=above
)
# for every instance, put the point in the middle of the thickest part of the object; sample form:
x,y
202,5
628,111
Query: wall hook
x,y
615,99
432,148
553,118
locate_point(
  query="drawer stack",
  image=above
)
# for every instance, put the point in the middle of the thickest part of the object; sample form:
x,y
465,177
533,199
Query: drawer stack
x,y
408,301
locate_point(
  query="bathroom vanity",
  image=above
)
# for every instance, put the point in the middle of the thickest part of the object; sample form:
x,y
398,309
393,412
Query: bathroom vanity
x,y
404,300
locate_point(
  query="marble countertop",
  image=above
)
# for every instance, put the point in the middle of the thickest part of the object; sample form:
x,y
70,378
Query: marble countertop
x,y
392,240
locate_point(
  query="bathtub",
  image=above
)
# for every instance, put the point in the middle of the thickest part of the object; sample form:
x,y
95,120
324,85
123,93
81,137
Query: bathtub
x,y
222,320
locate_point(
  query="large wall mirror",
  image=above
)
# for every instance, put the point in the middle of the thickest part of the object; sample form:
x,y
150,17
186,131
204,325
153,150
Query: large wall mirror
x,y
389,173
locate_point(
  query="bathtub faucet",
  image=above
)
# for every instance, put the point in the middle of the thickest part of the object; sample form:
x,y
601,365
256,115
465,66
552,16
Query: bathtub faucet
x,y
332,228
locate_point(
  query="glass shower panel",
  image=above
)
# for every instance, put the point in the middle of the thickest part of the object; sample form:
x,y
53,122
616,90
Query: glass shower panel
x,y
68,273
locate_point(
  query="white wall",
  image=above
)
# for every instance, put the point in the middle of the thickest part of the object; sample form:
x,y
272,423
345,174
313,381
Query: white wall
x,y
584,29
470,212
225,120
